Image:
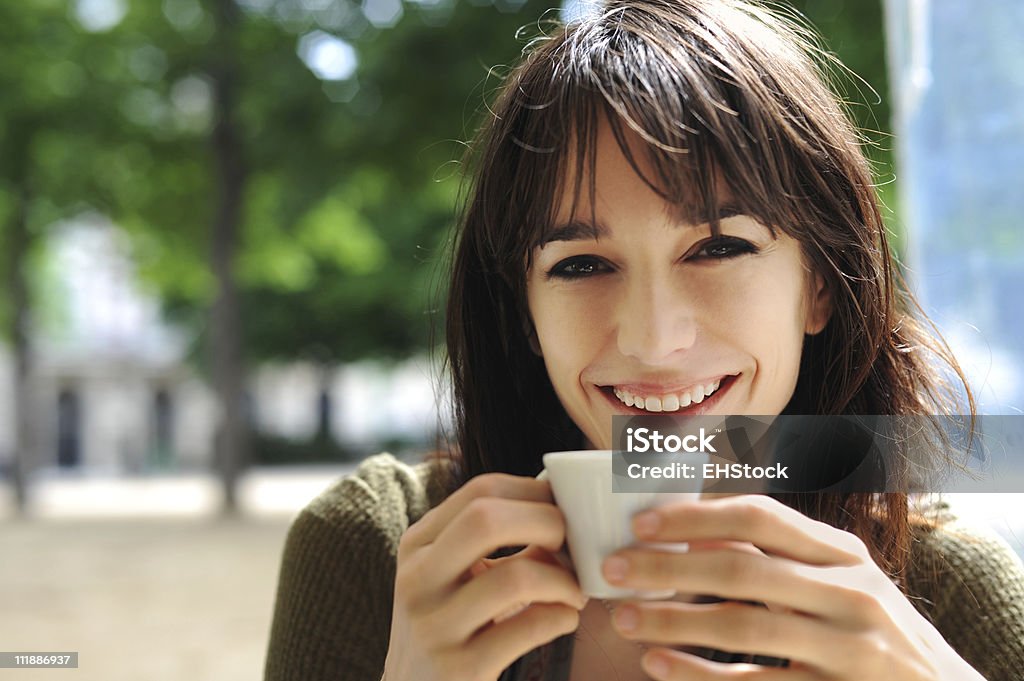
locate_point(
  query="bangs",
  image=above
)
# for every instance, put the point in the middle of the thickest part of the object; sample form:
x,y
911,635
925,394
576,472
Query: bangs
x,y
697,108
688,179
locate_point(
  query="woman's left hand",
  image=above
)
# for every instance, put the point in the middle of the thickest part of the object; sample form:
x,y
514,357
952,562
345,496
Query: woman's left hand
x,y
832,611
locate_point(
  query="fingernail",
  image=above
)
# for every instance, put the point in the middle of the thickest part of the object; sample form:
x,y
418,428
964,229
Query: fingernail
x,y
655,665
615,568
627,618
646,524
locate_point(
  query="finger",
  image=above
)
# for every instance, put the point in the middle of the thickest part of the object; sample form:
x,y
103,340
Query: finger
x,y
823,591
737,626
479,567
485,525
764,522
745,547
500,485
542,555
663,664
496,647
534,553
718,544
513,584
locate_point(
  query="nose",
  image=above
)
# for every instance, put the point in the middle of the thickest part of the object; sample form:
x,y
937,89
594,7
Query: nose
x,y
655,320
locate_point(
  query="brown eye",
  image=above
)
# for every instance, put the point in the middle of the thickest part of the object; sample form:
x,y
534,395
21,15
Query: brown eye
x,y
724,248
578,267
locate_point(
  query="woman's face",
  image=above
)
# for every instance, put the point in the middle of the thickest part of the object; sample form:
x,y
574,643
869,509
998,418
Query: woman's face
x,y
642,312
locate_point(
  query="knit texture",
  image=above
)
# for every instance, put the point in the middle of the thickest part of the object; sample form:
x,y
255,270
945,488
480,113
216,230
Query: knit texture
x,y
970,584
333,611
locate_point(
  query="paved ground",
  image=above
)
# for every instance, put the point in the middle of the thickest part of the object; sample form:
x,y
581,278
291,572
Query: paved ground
x,y
161,600
143,579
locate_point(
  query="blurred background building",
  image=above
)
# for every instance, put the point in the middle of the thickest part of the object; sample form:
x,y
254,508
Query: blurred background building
x,y
115,393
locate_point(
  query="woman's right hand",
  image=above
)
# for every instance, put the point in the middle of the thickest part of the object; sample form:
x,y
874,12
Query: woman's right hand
x,y
460,617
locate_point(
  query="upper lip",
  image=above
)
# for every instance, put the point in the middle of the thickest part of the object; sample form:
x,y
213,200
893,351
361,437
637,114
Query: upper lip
x,y
664,387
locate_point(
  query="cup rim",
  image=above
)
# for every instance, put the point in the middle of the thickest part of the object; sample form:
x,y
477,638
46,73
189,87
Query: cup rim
x,y
579,454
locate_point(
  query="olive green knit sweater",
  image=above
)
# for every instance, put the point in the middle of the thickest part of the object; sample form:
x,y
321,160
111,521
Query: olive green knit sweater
x,y
333,610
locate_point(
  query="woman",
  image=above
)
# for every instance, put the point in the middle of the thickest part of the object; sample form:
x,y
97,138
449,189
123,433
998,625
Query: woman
x,y
669,211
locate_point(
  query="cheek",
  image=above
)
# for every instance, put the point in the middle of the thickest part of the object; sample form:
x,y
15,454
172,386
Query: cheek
x,y
568,330
761,311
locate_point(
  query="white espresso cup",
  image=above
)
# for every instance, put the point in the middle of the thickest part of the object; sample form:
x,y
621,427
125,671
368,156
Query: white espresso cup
x,y
599,521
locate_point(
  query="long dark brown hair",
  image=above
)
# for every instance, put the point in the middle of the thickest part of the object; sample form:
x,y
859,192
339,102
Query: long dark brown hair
x,y
718,91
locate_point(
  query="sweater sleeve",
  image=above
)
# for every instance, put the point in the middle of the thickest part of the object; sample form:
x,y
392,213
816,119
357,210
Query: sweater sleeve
x,y
332,615
971,585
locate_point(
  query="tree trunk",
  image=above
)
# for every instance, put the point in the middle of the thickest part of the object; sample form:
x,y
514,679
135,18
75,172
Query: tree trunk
x,y
17,286
226,323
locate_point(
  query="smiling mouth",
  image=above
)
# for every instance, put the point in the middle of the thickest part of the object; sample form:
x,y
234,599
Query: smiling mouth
x,y
695,398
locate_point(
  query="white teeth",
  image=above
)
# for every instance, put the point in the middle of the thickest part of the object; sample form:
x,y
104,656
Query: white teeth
x,y
671,402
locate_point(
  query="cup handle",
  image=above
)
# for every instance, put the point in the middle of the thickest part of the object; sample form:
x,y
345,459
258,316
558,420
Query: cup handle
x,y
562,556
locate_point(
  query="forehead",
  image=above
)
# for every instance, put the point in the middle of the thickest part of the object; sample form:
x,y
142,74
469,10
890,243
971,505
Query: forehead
x,y
615,161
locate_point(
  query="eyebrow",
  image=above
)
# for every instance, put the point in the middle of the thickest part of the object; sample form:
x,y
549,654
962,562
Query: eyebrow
x,y
577,230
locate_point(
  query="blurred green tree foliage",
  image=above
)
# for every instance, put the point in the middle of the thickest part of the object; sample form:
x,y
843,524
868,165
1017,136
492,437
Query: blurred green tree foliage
x,y
854,31
350,183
